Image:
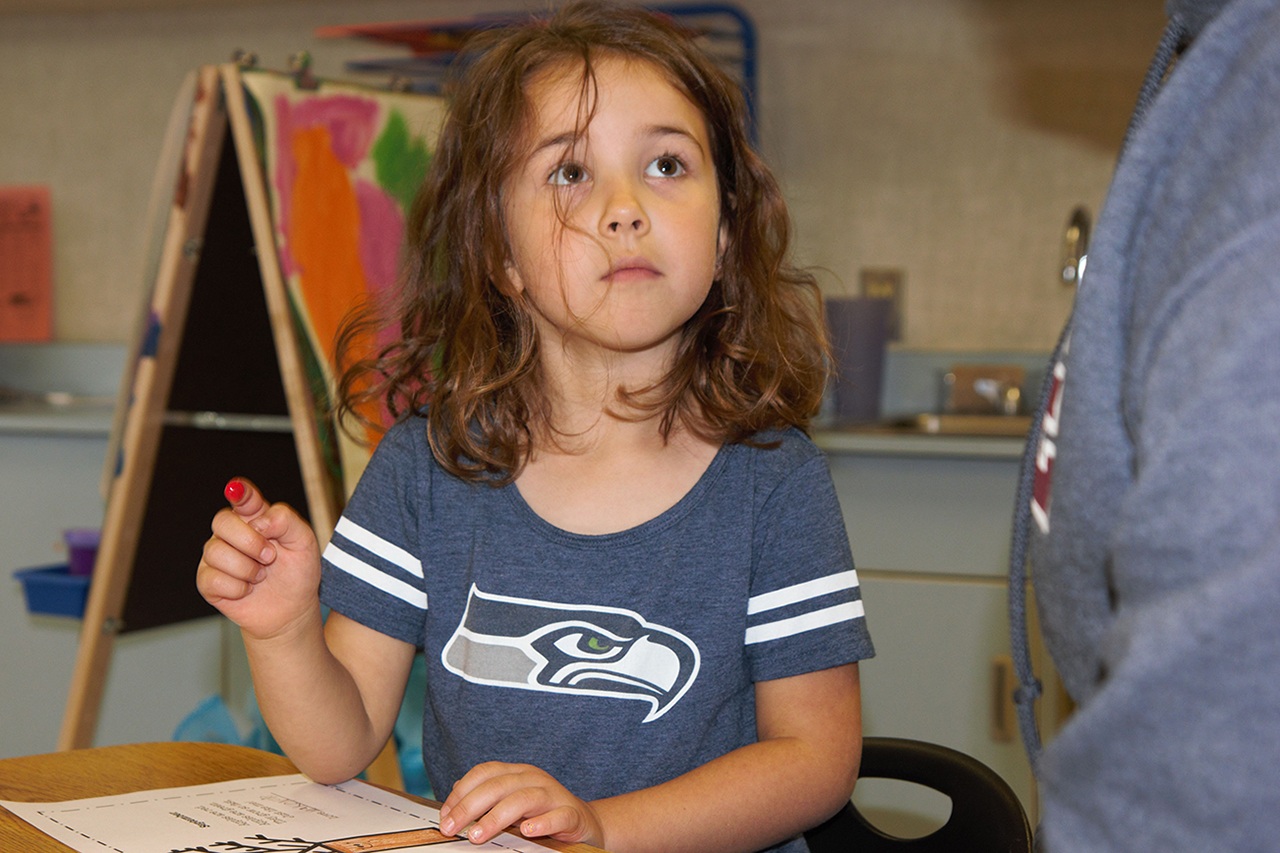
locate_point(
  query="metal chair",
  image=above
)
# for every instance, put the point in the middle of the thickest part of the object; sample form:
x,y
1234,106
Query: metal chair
x,y
985,812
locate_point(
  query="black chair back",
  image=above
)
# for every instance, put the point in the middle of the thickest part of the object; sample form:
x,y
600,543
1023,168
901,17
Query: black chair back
x,y
986,816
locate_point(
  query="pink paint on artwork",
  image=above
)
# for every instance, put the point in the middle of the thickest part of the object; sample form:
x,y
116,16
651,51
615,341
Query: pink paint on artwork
x,y
381,230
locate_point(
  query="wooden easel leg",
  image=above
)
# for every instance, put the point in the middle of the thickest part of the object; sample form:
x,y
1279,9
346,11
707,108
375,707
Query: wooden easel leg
x,y
88,684
112,573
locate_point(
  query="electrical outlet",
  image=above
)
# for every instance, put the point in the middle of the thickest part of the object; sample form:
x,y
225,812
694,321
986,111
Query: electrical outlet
x,y
885,283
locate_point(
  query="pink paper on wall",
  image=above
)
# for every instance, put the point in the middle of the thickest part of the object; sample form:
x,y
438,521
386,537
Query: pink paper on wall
x,y
26,264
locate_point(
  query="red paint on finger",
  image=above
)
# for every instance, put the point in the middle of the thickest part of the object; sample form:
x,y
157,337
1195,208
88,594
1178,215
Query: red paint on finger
x,y
234,491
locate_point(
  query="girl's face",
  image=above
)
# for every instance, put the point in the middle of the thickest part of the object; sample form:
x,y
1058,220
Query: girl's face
x,y
614,236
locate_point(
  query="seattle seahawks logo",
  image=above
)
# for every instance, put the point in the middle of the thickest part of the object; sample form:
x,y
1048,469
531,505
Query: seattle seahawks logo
x,y
571,648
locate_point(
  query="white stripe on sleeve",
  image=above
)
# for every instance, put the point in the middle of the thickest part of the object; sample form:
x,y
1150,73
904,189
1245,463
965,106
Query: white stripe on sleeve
x,y
802,592
845,612
377,545
381,580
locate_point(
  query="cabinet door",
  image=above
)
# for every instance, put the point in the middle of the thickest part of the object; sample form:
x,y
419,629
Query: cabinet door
x,y
938,641
940,515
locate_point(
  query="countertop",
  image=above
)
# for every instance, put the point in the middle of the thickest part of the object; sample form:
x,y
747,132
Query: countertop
x,y
88,418
59,389
95,416
894,440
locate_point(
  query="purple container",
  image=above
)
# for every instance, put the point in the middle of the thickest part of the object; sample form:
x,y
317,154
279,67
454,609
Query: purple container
x,y
82,549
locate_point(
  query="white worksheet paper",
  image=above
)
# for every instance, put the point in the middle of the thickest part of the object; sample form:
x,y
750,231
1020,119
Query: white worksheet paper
x,y
271,814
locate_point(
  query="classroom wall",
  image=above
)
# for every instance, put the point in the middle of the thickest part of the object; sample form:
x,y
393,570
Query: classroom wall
x,y
946,138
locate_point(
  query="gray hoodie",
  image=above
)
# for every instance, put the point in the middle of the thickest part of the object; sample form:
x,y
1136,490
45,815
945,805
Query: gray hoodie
x,y
1152,498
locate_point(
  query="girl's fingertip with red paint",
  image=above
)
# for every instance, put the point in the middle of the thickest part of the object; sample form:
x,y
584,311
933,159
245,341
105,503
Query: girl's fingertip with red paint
x,y
234,491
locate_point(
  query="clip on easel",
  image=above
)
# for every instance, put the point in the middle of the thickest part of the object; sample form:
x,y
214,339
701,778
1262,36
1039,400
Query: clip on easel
x,y
230,368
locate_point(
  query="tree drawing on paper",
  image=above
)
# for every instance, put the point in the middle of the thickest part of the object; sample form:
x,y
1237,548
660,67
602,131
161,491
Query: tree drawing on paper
x,y
376,843
385,841
342,164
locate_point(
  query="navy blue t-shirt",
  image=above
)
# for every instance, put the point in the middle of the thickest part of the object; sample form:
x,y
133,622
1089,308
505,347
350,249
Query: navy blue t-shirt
x,y
614,662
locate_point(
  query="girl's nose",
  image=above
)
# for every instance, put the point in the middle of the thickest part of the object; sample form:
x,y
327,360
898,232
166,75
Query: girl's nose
x,y
623,214
622,223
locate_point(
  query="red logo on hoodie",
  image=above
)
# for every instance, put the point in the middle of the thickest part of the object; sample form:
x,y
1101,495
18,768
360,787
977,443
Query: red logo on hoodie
x,y
1047,451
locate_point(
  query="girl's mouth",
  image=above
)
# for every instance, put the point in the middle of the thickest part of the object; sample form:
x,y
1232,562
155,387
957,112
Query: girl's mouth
x,y
630,269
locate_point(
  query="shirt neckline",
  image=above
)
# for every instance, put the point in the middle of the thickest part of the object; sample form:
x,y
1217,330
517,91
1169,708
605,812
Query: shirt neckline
x,y
687,502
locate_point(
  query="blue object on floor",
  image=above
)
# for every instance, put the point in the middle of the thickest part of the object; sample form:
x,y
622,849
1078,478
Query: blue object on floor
x,y
209,722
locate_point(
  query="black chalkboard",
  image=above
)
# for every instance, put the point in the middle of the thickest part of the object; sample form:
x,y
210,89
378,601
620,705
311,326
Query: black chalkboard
x,y
217,390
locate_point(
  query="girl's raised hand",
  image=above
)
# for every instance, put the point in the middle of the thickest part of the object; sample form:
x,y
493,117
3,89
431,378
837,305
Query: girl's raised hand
x,y
261,567
496,795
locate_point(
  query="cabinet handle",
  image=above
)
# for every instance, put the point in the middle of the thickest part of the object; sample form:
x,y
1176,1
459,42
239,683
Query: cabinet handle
x,y
1003,714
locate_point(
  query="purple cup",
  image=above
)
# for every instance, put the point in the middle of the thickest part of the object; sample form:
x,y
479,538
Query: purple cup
x,y
82,549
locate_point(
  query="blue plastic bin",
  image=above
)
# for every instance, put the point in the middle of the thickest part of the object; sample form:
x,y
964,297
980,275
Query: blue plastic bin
x,y
53,590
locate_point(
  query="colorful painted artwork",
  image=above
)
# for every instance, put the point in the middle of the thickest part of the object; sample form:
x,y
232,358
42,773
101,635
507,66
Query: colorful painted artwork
x,y
342,165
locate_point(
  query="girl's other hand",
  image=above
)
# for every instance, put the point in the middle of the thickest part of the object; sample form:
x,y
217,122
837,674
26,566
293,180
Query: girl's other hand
x,y
261,567
496,795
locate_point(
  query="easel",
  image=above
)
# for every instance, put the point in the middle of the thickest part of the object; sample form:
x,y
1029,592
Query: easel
x,y
225,381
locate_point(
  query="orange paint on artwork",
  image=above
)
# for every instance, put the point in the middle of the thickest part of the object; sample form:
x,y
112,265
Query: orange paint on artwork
x,y
324,236
324,233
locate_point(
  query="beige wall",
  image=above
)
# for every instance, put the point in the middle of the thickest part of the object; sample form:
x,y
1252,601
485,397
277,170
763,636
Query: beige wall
x,y
948,138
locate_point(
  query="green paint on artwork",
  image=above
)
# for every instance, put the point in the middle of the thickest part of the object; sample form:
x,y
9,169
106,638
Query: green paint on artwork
x,y
400,160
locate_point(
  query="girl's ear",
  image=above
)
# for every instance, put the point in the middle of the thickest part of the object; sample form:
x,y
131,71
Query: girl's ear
x,y
512,276
505,277
722,245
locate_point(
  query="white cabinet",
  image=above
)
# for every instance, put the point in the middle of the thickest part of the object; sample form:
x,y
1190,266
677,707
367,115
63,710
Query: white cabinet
x,y
929,522
51,460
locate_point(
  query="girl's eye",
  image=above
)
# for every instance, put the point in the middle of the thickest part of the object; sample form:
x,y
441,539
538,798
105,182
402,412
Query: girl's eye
x,y
666,166
567,174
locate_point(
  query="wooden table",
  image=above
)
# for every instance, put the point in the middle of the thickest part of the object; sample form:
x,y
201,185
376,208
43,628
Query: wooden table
x,y
108,770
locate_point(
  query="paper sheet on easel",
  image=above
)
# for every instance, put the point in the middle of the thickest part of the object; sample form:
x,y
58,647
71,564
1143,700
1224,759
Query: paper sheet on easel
x,y
26,265
272,814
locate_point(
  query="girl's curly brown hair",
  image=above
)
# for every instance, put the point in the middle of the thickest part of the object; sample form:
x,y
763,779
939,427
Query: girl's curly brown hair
x,y
754,356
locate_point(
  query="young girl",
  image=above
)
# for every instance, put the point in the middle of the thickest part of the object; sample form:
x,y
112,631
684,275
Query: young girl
x,y
597,514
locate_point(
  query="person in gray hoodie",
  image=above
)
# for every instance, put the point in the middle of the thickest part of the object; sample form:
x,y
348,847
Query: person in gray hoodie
x,y
1150,501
